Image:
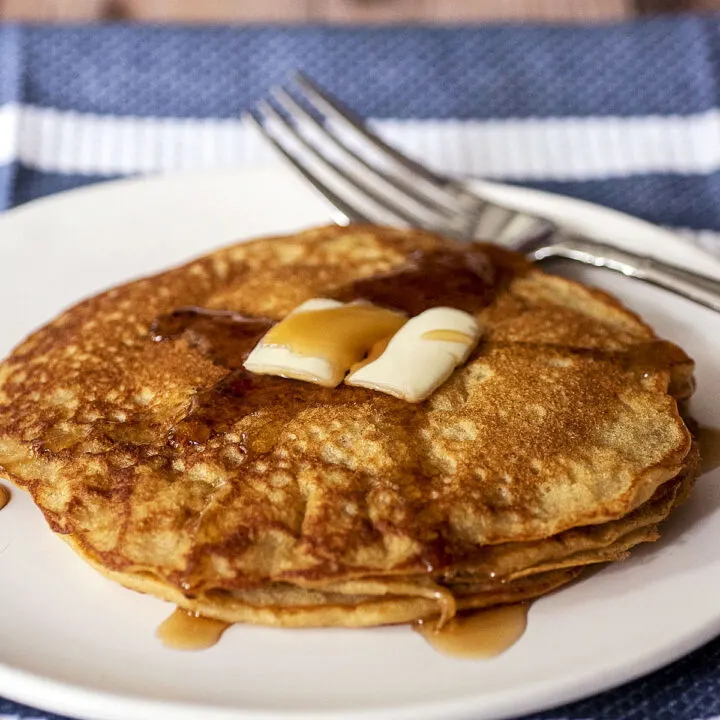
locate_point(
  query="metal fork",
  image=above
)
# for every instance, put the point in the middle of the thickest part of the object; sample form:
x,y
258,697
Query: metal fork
x,y
366,180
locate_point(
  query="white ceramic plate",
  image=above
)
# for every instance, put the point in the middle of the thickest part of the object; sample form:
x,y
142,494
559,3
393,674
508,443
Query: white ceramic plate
x,y
75,643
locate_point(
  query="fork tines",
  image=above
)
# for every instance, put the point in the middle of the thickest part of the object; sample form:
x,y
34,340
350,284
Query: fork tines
x,y
363,178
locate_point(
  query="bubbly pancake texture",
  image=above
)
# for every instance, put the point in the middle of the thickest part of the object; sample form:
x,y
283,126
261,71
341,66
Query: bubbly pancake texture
x,y
251,498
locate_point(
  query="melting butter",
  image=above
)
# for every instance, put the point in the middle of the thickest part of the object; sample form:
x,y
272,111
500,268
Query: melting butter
x,y
477,635
322,339
184,630
421,356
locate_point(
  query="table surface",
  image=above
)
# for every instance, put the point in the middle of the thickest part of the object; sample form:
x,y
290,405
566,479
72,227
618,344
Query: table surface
x,y
391,11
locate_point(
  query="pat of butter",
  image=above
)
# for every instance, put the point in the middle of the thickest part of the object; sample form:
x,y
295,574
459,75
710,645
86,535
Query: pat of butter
x,y
321,340
421,356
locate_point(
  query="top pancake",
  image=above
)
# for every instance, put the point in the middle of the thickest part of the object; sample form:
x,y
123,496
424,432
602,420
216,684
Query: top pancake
x,y
564,416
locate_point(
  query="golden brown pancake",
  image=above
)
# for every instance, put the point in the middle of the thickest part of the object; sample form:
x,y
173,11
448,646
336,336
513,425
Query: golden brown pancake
x,y
174,471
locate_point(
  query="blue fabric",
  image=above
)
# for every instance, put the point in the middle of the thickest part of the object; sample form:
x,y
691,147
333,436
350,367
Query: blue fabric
x,y
684,200
29,184
7,175
10,64
658,67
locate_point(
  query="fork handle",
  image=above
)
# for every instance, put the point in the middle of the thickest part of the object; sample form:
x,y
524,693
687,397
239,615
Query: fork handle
x,y
699,288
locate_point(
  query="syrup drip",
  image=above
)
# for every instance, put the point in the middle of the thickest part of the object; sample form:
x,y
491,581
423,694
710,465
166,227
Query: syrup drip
x,y
4,497
184,630
709,440
471,636
476,635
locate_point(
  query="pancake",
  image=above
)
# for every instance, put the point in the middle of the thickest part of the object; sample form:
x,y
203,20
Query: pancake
x,y
174,471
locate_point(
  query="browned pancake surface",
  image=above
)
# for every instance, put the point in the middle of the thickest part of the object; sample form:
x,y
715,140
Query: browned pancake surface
x,y
157,466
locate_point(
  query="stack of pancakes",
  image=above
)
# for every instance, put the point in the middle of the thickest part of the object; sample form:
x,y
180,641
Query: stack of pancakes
x,y
170,469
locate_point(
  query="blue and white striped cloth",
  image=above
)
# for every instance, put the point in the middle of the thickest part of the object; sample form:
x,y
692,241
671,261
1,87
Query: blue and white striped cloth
x,y
627,116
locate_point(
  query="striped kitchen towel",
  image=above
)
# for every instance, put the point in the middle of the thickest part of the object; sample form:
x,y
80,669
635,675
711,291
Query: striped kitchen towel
x,y
624,115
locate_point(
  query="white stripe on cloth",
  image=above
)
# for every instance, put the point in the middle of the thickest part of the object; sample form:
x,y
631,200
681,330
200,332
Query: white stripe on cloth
x,y
51,140
9,120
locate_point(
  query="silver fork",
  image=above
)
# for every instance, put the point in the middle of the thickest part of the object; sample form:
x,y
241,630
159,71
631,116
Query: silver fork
x,y
366,180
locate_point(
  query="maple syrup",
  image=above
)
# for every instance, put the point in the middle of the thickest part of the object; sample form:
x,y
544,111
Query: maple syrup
x,y
185,630
454,336
466,280
709,441
340,335
477,635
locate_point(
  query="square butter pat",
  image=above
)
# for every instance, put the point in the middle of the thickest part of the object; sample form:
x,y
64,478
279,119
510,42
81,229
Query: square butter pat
x,y
321,340
421,356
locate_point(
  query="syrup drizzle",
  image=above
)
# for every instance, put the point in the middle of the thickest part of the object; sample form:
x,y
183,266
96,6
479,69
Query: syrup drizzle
x,y
341,335
4,497
476,635
467,280
454,336
184,630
